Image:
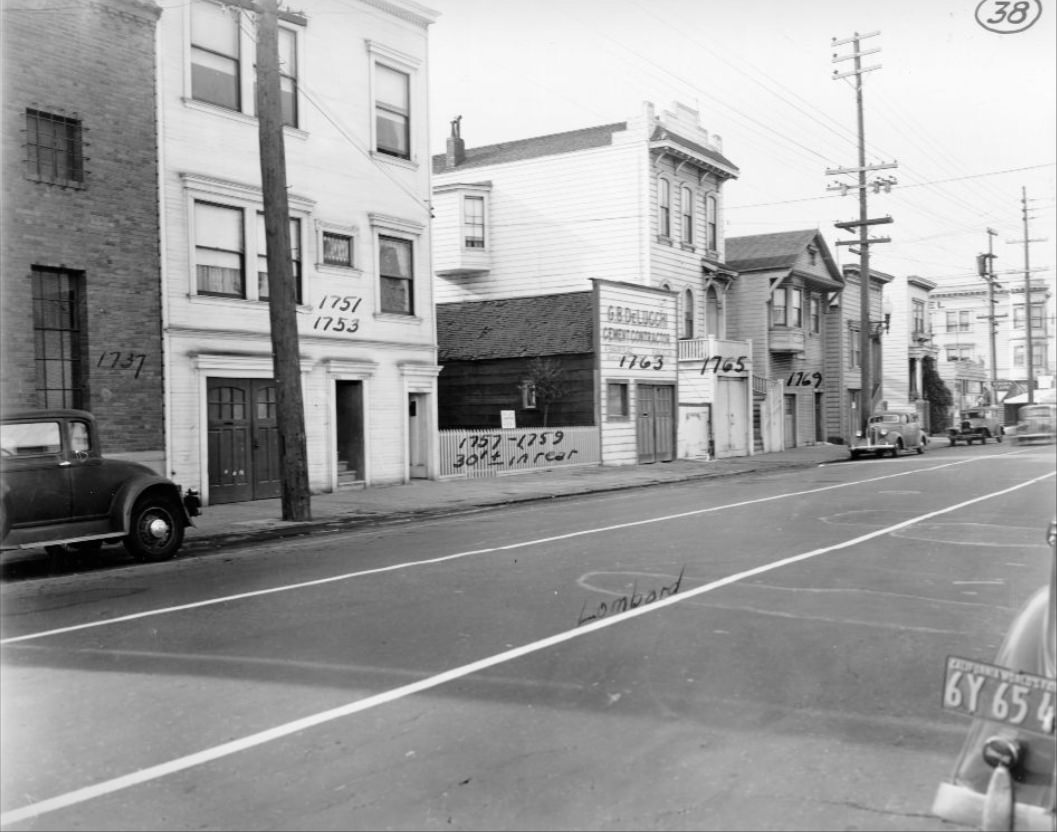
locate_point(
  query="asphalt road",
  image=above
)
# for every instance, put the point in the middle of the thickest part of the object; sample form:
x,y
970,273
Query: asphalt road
x,y
780,669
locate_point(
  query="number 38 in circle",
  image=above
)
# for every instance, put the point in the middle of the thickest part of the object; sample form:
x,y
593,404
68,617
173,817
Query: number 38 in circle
x,y
1008,16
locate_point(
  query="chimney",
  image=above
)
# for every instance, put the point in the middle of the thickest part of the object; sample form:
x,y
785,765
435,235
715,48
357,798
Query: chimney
x,y
456,151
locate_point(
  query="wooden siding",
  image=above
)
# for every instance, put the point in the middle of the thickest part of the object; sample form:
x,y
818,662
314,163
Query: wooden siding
x,y
553,223
210,152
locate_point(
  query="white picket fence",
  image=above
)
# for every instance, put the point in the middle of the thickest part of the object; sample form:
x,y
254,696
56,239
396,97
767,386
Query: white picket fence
x,y
490,453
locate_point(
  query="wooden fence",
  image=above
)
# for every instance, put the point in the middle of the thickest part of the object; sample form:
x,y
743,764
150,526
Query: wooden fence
x,y
490,453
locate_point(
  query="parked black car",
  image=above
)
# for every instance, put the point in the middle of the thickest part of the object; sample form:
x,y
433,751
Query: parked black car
x,y
57,489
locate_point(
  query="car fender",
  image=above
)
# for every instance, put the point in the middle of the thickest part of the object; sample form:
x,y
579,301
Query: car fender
x,y
132,490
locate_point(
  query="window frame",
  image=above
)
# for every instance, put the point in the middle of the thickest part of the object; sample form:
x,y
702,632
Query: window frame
x,y
71,339
686,204
711,223
687,323
795,303
469,224
780,311
918,318
664,208
409,280
69,173
296,258
623,386
814,312
290,25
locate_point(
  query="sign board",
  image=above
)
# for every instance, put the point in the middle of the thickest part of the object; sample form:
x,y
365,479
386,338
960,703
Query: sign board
x,y
506,418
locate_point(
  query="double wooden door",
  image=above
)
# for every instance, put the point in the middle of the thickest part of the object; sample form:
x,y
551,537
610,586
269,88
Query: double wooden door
x,y
655,432
244,443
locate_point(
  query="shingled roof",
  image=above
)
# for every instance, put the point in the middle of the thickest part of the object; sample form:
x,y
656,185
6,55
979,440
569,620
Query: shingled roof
x,y
516,151
760,252
515,327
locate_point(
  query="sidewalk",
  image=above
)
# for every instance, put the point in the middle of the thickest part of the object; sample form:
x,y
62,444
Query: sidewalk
x,y
347,508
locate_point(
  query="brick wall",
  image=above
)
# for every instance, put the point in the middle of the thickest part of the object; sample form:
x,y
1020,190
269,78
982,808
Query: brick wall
x,y
95,62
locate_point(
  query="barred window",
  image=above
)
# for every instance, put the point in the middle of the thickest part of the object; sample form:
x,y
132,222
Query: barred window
x,y
58,316
54,148
337,249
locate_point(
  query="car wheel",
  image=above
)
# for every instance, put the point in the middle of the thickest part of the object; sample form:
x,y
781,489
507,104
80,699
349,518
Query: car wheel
x,y
156,529
3,521
921,448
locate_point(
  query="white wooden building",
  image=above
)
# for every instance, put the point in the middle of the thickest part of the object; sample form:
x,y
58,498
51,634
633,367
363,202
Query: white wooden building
x,y
636,206
354,90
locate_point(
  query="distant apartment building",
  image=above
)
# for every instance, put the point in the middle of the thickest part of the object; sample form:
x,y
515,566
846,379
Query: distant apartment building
x,y
354,78
80,292
961,326
628,216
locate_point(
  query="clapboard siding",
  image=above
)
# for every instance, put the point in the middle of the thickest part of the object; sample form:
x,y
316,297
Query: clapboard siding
x,y
335,183
553,223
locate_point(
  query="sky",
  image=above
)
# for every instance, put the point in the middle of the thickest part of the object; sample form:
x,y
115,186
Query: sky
x,y
968,114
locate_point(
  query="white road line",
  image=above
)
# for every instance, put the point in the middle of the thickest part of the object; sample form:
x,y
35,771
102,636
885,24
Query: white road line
x,y
280,731
456,556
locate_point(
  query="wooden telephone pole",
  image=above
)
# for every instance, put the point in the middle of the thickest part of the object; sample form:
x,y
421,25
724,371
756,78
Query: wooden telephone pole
x,y
282,296
866,395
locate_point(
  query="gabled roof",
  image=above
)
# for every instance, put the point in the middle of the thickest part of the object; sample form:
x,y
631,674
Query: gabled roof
x,y
779,252
516,151
515,327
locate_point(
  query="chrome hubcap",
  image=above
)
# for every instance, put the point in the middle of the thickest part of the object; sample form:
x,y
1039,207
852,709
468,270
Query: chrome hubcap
x,y
157,528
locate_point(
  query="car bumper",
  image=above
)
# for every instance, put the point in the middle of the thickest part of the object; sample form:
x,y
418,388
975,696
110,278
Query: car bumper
x,y
960,804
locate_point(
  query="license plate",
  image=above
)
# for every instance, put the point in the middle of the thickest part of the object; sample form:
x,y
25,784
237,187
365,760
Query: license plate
x,y
999,694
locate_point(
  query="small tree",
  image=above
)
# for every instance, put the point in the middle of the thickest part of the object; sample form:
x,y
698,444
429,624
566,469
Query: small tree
x,y
547,378
939,397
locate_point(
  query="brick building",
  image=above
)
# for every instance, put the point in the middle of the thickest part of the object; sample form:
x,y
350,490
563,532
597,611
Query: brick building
x,y
80,263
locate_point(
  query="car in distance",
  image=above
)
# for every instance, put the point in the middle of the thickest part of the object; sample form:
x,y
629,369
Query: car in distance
x,y
890,432
1005,776
1036,423
57,490
978,424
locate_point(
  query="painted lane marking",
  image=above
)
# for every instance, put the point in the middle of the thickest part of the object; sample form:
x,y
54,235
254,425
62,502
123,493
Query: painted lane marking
x,y
456,556
217,752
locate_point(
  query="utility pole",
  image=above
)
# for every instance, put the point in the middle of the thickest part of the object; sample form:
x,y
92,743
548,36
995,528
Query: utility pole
x,y
866,396
986,268
1029,343
282,297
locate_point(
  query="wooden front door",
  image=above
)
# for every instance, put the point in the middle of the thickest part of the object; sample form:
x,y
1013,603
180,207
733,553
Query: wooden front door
x,y
655,433
243,440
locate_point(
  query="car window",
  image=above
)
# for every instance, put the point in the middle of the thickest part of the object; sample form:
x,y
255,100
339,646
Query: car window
x,y
30,438
78,437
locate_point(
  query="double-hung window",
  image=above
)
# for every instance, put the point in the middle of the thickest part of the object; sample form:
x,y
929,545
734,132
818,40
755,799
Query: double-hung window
x,y
288,76
796,307
687,205
1036,316
664,201
263,291
473,221
710,220
220,250
854,349
392,109
778,309
918,313
215,55
54,148
396,271
814,313
958,321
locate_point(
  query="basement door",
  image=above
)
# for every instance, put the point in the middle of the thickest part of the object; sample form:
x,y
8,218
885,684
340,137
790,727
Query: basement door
x,y
243,440
655,433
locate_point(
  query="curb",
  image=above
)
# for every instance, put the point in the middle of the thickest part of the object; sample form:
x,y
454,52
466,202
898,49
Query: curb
x,y
200,544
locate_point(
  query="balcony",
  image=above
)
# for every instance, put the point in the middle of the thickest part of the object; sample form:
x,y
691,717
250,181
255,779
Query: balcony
x,y
787,339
